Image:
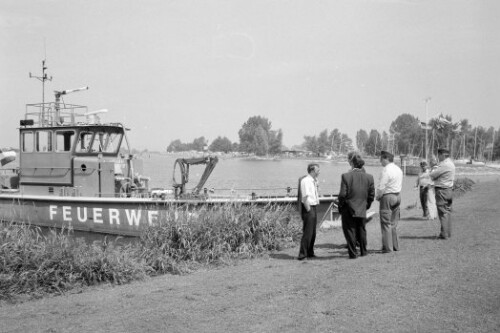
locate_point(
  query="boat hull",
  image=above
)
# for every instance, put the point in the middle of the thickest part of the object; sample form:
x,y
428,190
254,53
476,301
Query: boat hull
x,y
120,216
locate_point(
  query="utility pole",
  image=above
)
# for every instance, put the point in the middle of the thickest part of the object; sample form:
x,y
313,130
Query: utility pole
x,y
463,156
475,142
426,100
492,144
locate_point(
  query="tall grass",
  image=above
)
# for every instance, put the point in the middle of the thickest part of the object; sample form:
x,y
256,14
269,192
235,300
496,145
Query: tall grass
x,y
34,263
183,240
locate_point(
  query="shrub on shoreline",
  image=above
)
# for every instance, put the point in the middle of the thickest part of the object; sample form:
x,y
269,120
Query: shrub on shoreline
x,y
33,263
462,185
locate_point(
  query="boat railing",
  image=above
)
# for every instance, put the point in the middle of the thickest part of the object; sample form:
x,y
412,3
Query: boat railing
x,y
253,192
56,114
9,171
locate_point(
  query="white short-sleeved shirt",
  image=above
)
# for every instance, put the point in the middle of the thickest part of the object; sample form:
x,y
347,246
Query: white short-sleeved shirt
x,y
309,190
390,180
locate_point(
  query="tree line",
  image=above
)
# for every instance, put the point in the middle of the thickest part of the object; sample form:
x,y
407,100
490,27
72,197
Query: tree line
x,y
407,135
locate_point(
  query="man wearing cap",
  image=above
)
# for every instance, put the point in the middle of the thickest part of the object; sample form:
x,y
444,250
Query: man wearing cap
x,y
443,176
388,193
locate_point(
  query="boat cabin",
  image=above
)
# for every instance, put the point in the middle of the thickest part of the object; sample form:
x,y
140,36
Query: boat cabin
x,y
67,151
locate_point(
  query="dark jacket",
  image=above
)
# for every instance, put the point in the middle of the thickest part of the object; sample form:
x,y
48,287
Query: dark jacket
x,y
357,191
299,195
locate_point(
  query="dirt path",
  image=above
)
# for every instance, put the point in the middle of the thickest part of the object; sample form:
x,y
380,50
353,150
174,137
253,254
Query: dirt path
x,y
429,286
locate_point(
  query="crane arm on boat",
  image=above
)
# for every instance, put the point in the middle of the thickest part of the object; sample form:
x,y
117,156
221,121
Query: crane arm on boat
x,y
184,163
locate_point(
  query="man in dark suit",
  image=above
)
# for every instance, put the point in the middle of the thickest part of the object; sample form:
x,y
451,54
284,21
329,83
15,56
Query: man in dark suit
x,y
357,191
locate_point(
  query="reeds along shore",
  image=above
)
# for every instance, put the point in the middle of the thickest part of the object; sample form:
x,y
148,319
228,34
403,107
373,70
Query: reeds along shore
x,y
34,263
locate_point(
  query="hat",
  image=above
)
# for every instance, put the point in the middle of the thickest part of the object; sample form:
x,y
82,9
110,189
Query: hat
x,y
423,163
385,154
443,151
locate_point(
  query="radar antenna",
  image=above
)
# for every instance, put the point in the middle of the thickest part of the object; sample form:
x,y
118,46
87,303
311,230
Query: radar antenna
x,y
93,116
42,78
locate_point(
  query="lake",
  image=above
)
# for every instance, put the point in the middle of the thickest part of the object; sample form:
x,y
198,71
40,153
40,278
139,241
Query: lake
x,y
254,175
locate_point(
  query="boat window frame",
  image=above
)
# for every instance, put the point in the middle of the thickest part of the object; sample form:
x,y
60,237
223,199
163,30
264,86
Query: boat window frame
x,y
48,143
79,141
72,143
95,130
23,141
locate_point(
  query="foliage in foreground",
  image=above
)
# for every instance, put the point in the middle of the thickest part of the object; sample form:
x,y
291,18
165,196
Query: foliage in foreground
x,y
35,263
217,234
462,185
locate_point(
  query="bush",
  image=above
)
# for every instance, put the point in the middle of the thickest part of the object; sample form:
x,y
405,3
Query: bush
x,y
462,185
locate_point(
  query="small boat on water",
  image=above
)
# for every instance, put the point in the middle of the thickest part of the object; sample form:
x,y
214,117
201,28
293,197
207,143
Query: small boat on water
x,y
77,172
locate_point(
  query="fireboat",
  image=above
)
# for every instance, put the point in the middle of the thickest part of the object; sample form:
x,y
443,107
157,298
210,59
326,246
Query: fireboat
x,y
77,172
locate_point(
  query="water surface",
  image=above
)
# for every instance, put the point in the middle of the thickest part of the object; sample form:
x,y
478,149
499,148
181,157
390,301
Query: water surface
x,y
251,175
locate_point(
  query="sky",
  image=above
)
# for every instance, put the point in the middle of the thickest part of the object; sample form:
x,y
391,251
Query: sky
x,y
184,69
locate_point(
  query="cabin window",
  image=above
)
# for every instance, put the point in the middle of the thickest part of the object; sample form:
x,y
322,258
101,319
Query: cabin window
x,y
84,141
64,140
43,141
106,142
27,142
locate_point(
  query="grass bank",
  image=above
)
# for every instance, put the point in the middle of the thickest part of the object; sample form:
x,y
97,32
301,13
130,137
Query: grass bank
x,y
430,285
34,264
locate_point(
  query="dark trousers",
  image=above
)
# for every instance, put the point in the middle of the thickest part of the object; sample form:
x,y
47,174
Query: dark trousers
x,y
355,232
424,192
444,200
308,232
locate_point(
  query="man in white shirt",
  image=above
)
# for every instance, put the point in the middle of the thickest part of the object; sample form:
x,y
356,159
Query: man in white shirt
x,y
388,193
444,176
308,200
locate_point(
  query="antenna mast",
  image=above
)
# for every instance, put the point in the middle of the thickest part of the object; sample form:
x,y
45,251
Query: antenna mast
x,y
42,78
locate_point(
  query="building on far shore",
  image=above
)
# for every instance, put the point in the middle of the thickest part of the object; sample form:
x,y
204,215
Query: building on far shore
x,y
296,153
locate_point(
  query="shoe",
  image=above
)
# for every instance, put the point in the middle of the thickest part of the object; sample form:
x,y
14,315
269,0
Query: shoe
x,y
312,256
356,257
442,237
301,258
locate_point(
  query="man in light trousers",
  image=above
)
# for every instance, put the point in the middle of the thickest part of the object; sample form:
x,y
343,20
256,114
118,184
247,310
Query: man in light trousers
x,y
388,193
443,176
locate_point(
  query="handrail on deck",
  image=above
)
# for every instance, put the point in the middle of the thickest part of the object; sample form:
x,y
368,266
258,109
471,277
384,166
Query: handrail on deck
x,y
45,114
